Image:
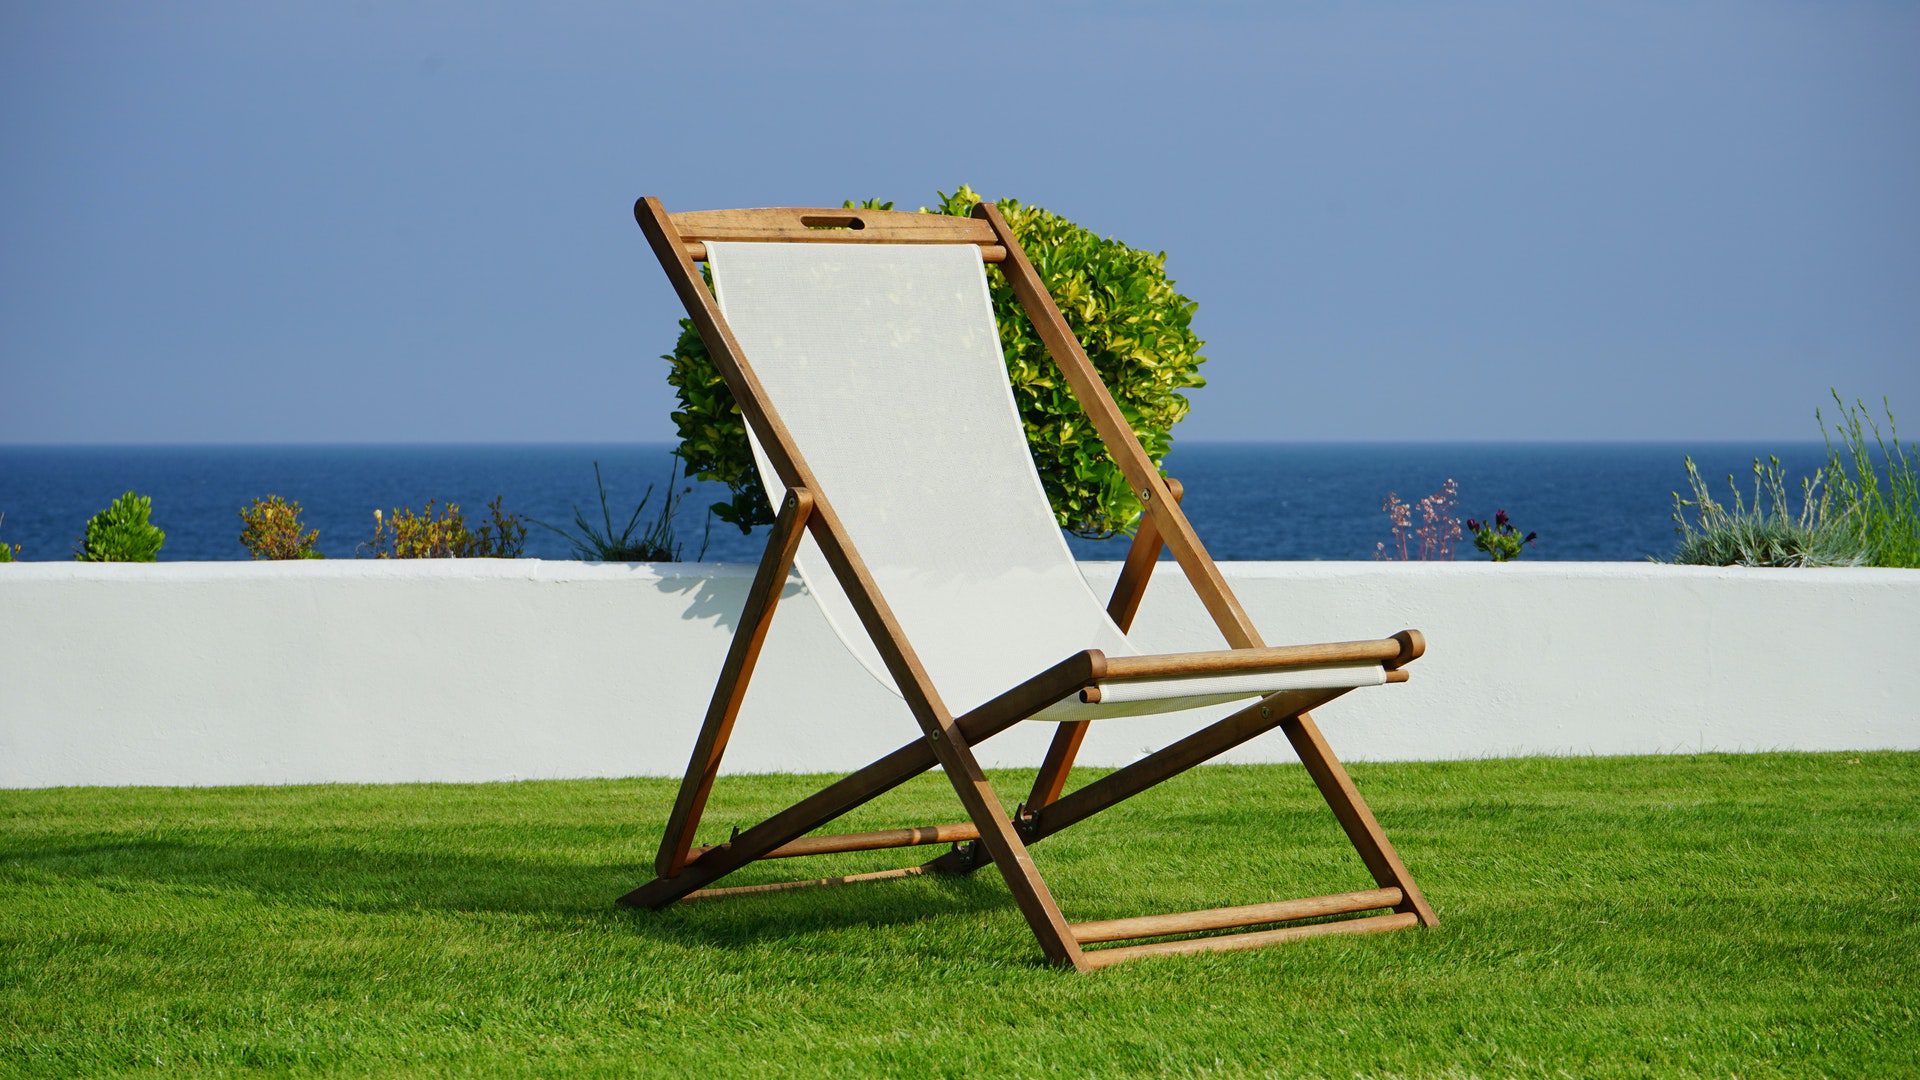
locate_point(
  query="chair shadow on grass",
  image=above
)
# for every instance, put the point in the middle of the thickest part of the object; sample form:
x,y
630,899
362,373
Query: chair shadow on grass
x,y
556,894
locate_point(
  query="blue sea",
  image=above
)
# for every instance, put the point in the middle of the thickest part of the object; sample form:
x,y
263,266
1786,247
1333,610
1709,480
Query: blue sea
x,y
1248,500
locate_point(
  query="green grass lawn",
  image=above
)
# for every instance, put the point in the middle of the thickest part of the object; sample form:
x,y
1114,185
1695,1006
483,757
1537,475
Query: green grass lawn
x,y
1711,915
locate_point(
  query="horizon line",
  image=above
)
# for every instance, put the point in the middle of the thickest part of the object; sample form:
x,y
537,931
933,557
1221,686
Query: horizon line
x,y
7,444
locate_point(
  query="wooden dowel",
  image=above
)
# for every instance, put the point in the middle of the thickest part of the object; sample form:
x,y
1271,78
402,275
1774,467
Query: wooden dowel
x,y
990,253
1413,645
869,841
810,883
1225,661
1256,939
1193,922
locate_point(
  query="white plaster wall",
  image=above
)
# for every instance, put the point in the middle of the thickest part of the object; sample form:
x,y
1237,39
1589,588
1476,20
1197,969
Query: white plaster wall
x,y
268,673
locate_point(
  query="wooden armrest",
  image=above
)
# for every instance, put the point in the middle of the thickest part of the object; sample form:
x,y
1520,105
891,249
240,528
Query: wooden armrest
x,y
1390,653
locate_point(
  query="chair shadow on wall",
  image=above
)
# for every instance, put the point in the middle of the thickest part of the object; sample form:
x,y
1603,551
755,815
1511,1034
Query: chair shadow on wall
x,y
717,599
349,877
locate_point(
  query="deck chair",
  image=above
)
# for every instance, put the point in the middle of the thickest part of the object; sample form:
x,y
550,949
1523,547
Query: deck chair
x,y
862,349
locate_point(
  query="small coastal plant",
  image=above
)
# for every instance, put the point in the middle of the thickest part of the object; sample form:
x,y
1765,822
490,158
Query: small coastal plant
x,y
1498,538
272,530
1767,531
122,533
1433,538
8,552
1880,496
1136,328
444,534
656,542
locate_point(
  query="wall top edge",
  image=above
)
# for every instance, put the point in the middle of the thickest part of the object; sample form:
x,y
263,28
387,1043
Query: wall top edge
x,y
558,570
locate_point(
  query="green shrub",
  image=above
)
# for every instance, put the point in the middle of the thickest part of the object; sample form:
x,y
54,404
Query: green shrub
x,y
1136,328
1767,533
1887,517
122,533
655,542
444,534
8,552
273,531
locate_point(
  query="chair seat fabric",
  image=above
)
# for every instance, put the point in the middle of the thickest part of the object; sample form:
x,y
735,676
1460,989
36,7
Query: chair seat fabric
x,y
884,362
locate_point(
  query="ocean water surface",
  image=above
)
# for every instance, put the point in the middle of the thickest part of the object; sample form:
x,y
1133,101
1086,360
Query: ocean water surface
x,y
1605,502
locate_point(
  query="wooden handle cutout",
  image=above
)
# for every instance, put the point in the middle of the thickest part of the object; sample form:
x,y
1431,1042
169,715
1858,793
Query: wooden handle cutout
x,y
835,221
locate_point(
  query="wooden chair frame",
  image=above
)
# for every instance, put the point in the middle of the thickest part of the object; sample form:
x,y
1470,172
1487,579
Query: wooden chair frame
x,y
989,835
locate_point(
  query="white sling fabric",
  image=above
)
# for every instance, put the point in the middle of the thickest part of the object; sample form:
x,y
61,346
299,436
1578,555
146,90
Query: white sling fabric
x,y
884,362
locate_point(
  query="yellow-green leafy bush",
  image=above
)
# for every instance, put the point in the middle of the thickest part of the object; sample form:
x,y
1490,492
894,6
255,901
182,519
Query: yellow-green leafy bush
x,y
444,534
273,530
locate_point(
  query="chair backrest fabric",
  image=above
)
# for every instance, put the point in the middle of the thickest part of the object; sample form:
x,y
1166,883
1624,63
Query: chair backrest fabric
x,y
884,363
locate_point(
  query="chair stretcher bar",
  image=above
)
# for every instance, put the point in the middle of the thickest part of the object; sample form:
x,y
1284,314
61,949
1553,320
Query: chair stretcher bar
x,y
1257,939
1193,922
867,841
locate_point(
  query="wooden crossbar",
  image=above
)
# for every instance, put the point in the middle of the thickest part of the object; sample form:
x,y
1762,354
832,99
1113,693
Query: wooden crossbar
x,y
832,225
810,883
989,253
1194,922
1094,959
867,841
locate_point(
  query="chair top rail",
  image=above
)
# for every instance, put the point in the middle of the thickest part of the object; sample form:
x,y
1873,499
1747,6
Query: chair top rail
x,y
833,225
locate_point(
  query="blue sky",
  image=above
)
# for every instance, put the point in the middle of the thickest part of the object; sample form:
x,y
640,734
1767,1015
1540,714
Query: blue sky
x,y
370,222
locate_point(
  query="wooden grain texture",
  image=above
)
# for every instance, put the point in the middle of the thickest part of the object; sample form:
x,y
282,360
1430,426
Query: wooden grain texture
x,y
989,253
1232,661
830,225
1225,918
730,689
1413,645
1256,939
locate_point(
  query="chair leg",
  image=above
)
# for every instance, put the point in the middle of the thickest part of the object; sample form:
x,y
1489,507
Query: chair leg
x,y
1368,838
789,528
1004,846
